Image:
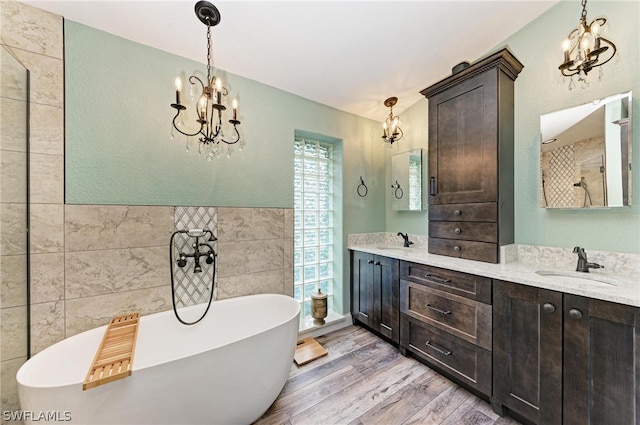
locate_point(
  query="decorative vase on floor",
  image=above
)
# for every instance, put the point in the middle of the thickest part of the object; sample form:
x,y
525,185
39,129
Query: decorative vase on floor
x,y
318,307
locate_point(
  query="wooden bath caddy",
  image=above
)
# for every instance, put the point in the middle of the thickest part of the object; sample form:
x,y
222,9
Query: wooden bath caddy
x,y
114,358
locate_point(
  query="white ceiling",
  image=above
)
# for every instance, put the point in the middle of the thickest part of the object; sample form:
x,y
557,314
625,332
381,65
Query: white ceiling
x,y
350,55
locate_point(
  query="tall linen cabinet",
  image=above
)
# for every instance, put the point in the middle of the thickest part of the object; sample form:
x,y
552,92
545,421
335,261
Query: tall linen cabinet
x,y
471,159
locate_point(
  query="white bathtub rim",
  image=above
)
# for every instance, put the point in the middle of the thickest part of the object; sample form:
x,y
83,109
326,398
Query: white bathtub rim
x,y
100,331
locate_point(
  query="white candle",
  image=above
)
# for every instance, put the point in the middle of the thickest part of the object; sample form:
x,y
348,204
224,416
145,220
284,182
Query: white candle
x,y
566,44
203,107
178,83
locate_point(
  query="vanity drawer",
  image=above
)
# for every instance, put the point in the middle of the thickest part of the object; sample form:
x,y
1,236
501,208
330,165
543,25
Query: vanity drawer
x,y
470,250
485,211
464,284
470,231
460,359
467,319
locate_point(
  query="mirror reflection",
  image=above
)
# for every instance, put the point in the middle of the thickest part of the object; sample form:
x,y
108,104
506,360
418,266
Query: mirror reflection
x,y
585,155
406,178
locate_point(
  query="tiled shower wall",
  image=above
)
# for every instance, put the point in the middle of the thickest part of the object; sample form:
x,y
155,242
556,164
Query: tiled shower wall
x,y
91,262
35,38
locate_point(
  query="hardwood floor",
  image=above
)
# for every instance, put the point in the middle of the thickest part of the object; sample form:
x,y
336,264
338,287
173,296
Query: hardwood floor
x,y
364,380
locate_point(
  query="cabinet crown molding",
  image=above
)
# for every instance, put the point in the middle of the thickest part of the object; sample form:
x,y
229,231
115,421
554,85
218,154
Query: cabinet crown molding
x,y
503,60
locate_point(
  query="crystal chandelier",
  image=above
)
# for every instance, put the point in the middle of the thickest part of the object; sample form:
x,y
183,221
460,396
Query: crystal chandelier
x,y
391,131
585,48
211,103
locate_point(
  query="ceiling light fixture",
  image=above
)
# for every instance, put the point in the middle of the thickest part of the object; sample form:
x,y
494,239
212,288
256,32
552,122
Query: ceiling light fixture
x,y
211,102
391,131
585,48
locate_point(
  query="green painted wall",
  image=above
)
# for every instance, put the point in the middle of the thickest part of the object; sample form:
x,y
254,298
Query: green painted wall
x,y
118,149
415,130
539,89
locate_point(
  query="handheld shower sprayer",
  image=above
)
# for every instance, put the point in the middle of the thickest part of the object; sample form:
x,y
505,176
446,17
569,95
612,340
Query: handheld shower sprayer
x,y
587,195
199,233
198,279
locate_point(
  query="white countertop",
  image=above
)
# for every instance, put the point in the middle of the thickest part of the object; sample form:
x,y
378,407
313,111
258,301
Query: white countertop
x,y
609,287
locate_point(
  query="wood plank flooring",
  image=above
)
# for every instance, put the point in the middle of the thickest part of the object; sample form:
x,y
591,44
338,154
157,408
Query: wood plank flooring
x,y
364,381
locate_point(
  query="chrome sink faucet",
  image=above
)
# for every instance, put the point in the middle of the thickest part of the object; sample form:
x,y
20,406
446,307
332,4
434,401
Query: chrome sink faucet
x,y
583,265
405,236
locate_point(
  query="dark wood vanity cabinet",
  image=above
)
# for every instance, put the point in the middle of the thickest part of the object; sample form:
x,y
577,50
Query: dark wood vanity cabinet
x,y
565,359
446,322
471,159
375,293
601,362
527,352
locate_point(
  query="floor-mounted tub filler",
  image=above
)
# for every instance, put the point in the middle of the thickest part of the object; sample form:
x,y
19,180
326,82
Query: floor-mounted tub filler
x,y
226,369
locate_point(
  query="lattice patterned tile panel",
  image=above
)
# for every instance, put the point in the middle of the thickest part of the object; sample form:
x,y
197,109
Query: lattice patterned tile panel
x,y
560,187
193,288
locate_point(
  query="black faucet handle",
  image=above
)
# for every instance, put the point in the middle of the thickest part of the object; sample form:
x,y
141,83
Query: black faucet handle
x,y
580,251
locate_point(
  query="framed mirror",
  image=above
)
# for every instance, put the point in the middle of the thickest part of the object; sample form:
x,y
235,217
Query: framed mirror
x,y
406,181
585,155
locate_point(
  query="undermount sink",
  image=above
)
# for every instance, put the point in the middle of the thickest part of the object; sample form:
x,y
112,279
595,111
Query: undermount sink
x,y
578,277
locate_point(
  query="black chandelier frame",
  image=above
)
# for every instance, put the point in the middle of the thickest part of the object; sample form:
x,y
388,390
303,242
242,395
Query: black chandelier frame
x,y
591,58
210,132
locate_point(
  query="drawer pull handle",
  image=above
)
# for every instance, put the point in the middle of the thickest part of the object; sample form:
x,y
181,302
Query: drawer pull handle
x,y
377,263
548,307
438,349
438,279
364,314
386,327
457,212
457,248
370,262
438,310
457,230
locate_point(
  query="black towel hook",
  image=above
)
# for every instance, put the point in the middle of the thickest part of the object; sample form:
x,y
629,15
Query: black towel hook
x,y
362,188
398,192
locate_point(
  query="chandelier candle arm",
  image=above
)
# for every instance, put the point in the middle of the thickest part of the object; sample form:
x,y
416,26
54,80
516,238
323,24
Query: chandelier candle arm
x,y
210,105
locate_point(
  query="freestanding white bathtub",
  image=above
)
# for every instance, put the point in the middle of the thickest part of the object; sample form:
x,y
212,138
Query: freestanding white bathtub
x,y
227,369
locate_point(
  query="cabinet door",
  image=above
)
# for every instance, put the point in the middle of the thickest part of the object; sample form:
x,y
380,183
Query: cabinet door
x,y
387,297
601,362
527,352
463,142
363,288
